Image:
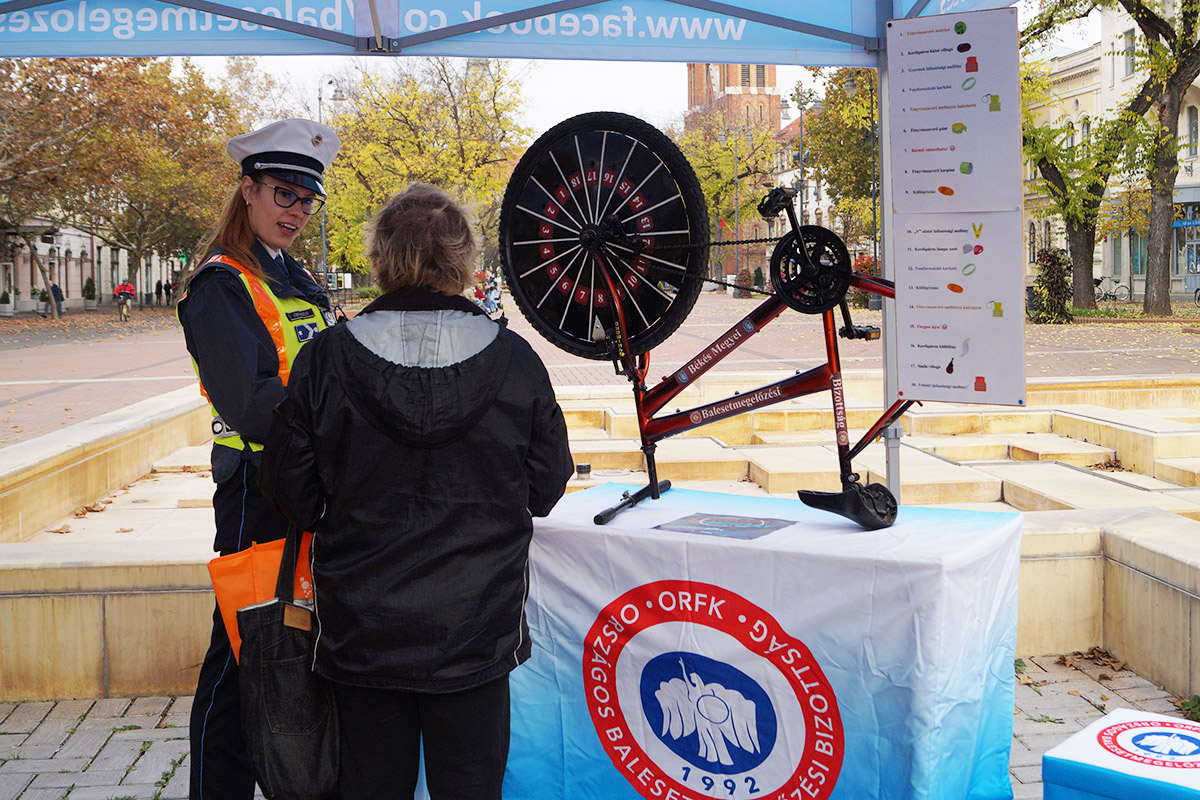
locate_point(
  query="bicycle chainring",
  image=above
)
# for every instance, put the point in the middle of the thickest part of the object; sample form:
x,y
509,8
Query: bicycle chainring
x,y
816,279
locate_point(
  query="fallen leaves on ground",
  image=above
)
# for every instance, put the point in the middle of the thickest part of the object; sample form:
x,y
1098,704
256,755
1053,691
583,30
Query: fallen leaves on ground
x,y
1098,656
32,329
64,528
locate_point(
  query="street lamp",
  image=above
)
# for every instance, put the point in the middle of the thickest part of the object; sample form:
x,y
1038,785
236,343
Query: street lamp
x,y
338,96
737,230
851,87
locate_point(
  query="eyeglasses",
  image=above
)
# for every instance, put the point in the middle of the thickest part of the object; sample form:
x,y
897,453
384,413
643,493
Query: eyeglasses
x,y
286,198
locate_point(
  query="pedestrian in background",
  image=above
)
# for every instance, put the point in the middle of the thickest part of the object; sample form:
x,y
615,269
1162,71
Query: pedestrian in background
x,y
246,311
417,442
57,296
158,290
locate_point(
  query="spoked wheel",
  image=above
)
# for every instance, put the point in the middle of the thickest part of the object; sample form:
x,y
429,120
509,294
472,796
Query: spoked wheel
x,y
603,191
815,283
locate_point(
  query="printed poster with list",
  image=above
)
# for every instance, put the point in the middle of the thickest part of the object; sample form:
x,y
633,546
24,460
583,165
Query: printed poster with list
x,y
955,112
956,207
960,320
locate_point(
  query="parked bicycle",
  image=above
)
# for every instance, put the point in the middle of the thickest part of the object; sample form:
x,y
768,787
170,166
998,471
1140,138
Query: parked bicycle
x,y
1117,291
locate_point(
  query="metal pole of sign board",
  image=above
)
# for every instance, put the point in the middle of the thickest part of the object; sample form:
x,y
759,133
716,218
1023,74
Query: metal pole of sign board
x,y
891,351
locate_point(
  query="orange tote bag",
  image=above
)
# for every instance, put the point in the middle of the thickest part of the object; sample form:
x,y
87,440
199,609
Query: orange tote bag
x,y
248,577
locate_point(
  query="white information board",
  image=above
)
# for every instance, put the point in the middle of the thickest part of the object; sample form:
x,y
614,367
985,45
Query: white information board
x,y
960,315
956,207
956,113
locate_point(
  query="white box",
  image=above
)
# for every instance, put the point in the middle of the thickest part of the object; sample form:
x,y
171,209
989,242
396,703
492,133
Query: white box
x,y
1126,754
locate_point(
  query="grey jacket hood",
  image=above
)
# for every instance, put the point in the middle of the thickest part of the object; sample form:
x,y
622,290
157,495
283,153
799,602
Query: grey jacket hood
x,y
423,378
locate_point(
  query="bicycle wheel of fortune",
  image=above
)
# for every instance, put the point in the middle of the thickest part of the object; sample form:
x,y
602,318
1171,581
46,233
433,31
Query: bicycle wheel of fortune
x,y
604,191
816,279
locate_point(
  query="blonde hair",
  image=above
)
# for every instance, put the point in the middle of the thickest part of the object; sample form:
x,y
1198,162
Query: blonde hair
x,y
233,236
422,238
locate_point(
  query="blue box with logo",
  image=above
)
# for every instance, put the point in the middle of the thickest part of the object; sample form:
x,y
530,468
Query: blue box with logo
x,y
1126,753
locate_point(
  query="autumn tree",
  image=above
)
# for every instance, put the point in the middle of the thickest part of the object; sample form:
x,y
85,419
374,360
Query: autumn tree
x,y
1126,207
422,120
1168,53
257,97
173,173
735,166
839,139
50,111
840,146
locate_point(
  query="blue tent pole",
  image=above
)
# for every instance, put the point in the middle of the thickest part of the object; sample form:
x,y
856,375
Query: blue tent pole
x,y
891,352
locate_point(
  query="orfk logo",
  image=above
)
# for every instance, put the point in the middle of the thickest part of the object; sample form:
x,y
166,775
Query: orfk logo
x,y
695,692
1175,745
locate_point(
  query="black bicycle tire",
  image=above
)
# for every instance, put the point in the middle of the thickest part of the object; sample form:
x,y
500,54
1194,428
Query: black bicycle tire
x,y
1099,294
1121,293
685,277
1197,296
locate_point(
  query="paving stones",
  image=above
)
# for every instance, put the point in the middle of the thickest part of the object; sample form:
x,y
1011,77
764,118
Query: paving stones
x,y
138,748
95,750
1063,698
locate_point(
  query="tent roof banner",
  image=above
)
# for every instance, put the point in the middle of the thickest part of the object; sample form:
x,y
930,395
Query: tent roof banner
x,y
764,31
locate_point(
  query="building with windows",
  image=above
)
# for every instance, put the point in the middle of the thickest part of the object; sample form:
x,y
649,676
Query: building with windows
x,y
1075,86
746,98
1093,83
72,256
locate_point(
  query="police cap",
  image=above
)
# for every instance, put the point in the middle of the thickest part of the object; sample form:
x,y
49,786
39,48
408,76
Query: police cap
x,y
293,150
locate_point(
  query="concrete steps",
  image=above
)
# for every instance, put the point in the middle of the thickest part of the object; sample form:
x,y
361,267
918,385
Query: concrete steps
x,y
197,458
1183,471
784,470
1018,447
1048,486
926,479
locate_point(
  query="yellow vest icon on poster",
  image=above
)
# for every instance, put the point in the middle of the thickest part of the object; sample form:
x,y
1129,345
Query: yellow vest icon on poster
x,y
993,101
997,309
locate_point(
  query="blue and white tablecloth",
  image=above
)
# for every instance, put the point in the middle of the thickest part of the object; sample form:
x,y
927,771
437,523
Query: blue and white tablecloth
x,y
815,661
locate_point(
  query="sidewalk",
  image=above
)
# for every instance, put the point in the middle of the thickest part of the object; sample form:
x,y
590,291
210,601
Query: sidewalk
x,y
137,749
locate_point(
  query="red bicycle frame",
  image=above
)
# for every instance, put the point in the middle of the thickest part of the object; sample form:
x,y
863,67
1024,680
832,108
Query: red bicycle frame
x,y
649,401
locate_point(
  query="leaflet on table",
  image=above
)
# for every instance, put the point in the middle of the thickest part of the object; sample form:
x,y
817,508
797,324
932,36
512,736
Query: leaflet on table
x,y
955,112
960,307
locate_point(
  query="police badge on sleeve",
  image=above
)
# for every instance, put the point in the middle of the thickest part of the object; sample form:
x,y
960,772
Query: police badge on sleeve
x,y
695,692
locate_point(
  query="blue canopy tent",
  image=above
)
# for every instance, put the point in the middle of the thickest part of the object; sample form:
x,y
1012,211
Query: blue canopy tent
x,y
846,33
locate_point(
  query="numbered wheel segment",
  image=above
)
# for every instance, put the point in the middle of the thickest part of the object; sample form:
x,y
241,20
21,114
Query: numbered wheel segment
x,y
603,192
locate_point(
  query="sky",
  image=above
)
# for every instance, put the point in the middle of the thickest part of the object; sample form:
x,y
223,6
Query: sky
x,y
555,90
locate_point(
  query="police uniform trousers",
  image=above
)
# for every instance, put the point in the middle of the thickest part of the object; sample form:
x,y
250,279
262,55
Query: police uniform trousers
x,y
220,763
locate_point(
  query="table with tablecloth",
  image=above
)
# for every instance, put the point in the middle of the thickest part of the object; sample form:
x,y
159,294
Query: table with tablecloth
x,y
763,649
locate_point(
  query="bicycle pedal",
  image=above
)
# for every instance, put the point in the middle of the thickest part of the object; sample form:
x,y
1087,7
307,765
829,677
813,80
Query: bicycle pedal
x,y
868,332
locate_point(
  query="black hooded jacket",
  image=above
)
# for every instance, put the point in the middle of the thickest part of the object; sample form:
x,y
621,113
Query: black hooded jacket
x,y
420,485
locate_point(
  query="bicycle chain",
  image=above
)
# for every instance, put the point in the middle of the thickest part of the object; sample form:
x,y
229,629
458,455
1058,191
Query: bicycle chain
x,y
728,243
731,242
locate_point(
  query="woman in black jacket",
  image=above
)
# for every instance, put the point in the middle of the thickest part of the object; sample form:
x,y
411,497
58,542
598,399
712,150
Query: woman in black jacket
x,y
417,442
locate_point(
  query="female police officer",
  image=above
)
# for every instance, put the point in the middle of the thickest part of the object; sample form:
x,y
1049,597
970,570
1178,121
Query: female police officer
x,y
246,311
